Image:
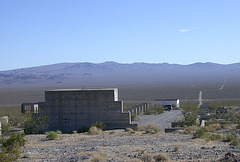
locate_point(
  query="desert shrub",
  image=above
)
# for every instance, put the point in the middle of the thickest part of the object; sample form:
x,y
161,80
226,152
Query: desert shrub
x,y
215,137
159,110
59,132
232,116
17,119
75,132
129,130
99,125
150,128
191,129
228,138
161,157
149,111
200,133
52,135
212,128
141,127
35,123
235,142
154,110
188,120
10,147
94,130
83,129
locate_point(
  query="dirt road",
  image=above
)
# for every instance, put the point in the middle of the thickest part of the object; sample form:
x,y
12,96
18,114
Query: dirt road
x,y
162,120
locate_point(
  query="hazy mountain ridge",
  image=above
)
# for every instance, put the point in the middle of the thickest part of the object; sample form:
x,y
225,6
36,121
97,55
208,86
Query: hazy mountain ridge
x,y
117,73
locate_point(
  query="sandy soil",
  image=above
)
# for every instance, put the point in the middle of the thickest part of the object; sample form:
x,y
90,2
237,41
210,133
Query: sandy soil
x,y
118,145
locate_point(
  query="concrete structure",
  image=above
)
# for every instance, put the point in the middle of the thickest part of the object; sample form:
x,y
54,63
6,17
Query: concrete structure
x,y
204,114
30,107
72,109
200,99
139,109
162,102
204,108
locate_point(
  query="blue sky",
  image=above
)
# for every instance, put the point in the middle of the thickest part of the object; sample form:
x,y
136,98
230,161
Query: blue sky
x,y
43,32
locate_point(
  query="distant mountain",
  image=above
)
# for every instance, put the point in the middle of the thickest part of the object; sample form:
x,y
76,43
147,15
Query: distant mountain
x,y
112,73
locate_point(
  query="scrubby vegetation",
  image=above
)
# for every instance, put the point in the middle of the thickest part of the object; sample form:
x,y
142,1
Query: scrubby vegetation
x,y
158,157
99,125
52,135
35,123
10,147
31,123
94,130
130,130
154,110
188,120
219,128
150,128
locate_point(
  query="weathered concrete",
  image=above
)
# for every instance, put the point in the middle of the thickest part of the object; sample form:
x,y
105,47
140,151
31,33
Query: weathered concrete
x,y
72,109
138,109
29,107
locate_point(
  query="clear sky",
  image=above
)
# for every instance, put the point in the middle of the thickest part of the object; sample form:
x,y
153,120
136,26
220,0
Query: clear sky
x,y
42,32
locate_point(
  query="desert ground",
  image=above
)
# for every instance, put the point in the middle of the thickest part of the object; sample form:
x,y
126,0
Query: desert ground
x,y
118,145
121,145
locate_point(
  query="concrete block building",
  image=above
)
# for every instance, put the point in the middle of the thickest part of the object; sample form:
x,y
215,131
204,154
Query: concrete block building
x,y
72,109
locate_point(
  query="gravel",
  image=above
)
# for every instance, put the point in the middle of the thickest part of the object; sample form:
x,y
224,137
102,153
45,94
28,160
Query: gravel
x,y
162,120
118,145
123,146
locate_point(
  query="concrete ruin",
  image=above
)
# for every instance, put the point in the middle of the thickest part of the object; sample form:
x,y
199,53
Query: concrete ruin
x,y
31,107
72,109
139,109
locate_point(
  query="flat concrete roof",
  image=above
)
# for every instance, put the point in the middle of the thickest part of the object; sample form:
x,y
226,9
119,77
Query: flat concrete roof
x,y
81,89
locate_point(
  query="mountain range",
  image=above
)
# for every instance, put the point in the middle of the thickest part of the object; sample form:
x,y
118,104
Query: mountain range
x,y
118,74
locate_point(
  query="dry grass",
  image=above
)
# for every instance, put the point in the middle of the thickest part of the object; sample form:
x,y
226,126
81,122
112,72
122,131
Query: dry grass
x,y
59,132
191,129
130,130
212,128
99,158
96,156
75,132
94,131
152,158
150,128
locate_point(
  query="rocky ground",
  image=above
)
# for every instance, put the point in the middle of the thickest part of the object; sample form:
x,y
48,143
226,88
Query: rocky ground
x,y
118,145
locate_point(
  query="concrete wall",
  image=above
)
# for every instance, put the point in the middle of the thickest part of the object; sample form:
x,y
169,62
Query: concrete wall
x,y
69,110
